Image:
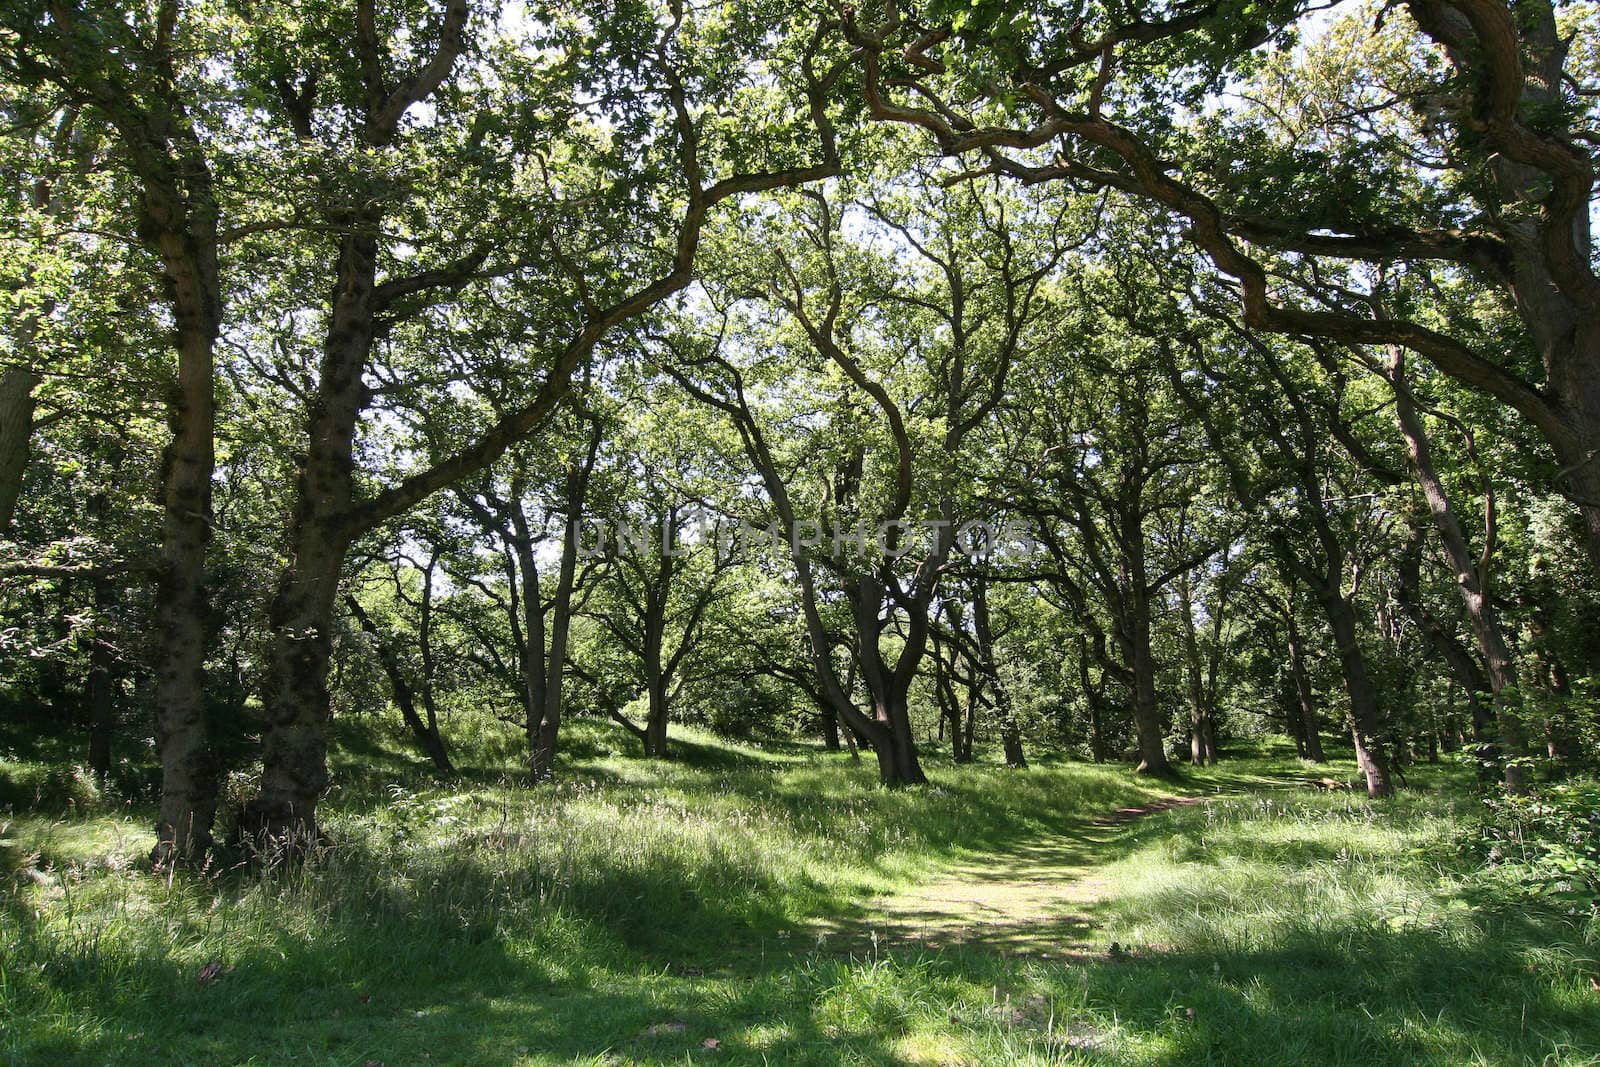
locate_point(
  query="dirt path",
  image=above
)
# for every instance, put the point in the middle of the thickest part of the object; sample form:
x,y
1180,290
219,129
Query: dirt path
x,y
1031,901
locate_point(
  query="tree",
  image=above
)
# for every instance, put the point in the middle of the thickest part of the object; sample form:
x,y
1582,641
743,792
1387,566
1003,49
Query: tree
x,y
1275,592
1472,574
539,623
665,568
1109,450
361,114
1203,651
408,689
1454,140
1297,484
951,282
149,100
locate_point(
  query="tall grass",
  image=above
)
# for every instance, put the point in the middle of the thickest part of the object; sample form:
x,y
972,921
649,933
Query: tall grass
x,y
631,912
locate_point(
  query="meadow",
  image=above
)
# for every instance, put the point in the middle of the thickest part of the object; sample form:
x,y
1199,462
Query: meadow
x,y
759,904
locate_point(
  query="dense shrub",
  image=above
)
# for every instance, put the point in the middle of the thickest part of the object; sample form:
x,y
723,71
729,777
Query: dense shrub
x,y
1546,844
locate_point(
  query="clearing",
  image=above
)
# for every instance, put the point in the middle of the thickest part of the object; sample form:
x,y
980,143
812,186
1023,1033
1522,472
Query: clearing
x,y
720,909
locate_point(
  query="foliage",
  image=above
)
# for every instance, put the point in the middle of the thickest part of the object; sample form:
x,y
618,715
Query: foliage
x,y
1545,845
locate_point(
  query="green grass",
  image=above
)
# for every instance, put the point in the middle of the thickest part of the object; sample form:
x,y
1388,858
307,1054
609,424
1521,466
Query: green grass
x,y
631,912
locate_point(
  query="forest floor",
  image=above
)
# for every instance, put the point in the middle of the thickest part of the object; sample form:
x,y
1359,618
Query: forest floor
x,y
1034,899
768,904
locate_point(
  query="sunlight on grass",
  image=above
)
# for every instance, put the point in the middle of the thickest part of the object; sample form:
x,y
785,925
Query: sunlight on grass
x,y
631,912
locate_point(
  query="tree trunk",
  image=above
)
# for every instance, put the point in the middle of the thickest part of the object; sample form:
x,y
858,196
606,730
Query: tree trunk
x,y
969,725
893,743
1011,740
1209,692
655,677
961,715
550,704
294,769
189,770
435,742
1200,752
852,739
1293,724
17,385
945,696
1365,718
958,714
1464,667
853,745
1092,697
830,731
1472,575
178,221
655,724
888,688
429,740
529,631
1146,707
1310,732
1005,714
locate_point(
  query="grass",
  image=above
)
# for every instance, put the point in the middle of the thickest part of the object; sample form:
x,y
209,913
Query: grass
x,y
632,912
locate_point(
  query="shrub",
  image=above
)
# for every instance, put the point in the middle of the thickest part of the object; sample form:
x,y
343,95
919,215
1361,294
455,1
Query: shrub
x,y
1545,844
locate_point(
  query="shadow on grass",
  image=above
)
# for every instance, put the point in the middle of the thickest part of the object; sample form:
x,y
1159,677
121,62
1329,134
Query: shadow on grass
x,y
331,968
1031,899
1357,994
488,949
376,984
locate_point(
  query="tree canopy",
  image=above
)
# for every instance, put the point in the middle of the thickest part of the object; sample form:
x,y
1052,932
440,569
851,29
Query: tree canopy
x,y
1128,380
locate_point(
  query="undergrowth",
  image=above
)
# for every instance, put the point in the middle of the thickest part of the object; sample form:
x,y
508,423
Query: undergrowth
x,y
636,912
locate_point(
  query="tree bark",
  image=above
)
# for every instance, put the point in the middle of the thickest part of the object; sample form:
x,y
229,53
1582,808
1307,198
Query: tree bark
x,y
1472,575
429,740
969,725
1093,696
1005,713
541,647
655,729
945,696
1010,733
182,607
177,218
887,687
852,739
1209,692
550,709
434,743
1147,719
1200,750
829,724
1464,667
17,402
1365,718
1310,732
295,695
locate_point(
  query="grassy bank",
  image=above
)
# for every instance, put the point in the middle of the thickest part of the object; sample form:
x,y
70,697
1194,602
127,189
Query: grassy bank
x,y
634,913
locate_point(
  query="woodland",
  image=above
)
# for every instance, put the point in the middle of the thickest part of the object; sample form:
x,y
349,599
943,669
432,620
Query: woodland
x,y
626,500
